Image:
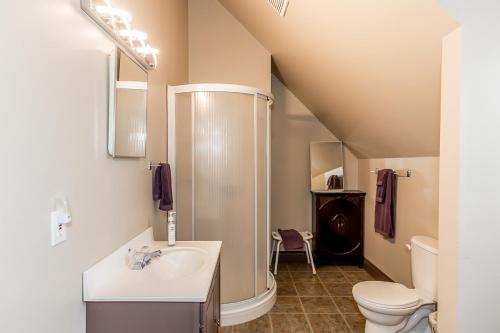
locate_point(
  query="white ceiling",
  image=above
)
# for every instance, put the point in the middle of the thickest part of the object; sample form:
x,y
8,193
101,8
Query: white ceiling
x,y
368,69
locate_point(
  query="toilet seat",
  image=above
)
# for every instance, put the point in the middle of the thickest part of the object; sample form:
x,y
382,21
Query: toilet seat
x,y
388,296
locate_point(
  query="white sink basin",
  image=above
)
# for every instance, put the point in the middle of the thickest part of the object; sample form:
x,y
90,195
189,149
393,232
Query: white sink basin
x,y
178,262
183,273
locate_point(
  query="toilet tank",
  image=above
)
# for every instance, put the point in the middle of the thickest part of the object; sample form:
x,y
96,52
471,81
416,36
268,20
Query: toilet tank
x,y
424,251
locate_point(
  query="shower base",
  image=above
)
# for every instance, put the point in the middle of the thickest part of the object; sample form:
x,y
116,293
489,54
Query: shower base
x,y
250,309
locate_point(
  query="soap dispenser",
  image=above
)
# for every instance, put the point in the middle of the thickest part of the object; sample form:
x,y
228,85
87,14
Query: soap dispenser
x,y
172,215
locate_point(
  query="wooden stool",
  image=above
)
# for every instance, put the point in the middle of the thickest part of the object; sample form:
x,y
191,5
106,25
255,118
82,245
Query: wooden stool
x,y
306,237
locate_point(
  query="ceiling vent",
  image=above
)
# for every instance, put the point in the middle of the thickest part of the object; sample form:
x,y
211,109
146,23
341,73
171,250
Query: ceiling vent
x,y
279,6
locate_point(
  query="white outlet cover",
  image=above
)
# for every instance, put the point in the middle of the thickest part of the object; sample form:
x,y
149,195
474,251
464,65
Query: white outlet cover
x,y
57,232
59,217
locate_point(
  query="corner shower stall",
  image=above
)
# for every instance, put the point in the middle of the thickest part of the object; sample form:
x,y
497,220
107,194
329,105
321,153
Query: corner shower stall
x,y
219,152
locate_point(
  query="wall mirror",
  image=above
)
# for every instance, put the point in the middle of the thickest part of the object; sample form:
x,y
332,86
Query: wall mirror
x,y
327,166
128,84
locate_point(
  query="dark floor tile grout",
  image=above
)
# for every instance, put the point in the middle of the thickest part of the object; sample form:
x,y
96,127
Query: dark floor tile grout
x,y
312,313
270,321
331,297
307,318
293,280
303,308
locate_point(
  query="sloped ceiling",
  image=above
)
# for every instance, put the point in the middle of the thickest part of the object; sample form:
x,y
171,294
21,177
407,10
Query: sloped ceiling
x,y
368,69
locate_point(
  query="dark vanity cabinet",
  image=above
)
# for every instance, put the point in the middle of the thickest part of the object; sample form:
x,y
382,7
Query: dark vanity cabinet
x,y
210,310
338,227
157,317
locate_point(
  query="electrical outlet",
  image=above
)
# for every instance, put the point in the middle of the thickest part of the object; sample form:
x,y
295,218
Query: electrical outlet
x,y
57,231
59,217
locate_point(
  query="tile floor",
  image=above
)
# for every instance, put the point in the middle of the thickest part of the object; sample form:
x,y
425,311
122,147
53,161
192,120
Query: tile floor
x,y
311,304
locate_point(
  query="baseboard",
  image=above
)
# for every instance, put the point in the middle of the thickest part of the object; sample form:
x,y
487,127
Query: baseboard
x,y
368,265
375,271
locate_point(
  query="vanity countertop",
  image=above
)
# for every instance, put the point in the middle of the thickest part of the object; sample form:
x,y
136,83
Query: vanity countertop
x,y
111,280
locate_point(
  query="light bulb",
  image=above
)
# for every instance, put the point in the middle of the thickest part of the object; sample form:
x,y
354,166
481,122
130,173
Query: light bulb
x,y
134,34
110,12
147,50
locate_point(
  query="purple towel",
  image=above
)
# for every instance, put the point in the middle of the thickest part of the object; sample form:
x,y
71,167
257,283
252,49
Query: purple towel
x,y
381,179
385,203
162,187
332,182
292,240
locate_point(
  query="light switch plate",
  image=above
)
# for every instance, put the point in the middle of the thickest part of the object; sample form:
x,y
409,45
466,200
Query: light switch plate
x,y
57,231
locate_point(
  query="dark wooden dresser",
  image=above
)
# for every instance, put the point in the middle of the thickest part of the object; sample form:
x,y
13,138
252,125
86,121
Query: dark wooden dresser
x,y
338,227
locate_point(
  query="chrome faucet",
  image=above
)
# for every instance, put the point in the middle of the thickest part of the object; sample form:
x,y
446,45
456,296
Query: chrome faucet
x,y
143,258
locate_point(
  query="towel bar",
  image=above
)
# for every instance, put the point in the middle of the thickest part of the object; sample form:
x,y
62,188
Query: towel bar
x,y
152,165
405,173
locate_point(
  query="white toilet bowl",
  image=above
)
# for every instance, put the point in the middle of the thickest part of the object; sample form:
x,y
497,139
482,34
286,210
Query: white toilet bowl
x,y
391,307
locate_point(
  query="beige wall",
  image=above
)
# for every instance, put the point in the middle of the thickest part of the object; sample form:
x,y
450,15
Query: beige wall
x,y
416,214
166,25
478,230
221,50
53,137
293,127
448,183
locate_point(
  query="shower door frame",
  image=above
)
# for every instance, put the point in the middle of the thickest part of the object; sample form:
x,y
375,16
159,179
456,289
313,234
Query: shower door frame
x,y
172,91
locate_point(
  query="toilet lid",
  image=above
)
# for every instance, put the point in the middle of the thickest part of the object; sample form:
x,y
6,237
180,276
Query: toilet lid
x,y
388,295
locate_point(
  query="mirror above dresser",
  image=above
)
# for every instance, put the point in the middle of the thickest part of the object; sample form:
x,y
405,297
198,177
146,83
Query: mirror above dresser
x,y
327,166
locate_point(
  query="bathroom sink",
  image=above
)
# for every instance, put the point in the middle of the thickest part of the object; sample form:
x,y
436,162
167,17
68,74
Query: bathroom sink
x,y
178,262
182,273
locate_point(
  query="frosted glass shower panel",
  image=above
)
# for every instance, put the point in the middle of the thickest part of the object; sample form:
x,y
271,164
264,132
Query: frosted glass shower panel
x,y
224,177
183,165
219,149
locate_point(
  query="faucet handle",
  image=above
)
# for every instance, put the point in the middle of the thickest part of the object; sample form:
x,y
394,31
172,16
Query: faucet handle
x,y
142,258
137,266
155,254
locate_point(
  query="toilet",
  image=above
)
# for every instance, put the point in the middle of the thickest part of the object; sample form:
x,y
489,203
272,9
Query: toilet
x,y
391,307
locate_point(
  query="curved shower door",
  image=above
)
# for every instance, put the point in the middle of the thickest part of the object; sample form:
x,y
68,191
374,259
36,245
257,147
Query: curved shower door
x,y
218,149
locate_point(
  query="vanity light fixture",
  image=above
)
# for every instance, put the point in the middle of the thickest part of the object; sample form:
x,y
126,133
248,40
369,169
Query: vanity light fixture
x,y
147,50
134,35
117,23
109,12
